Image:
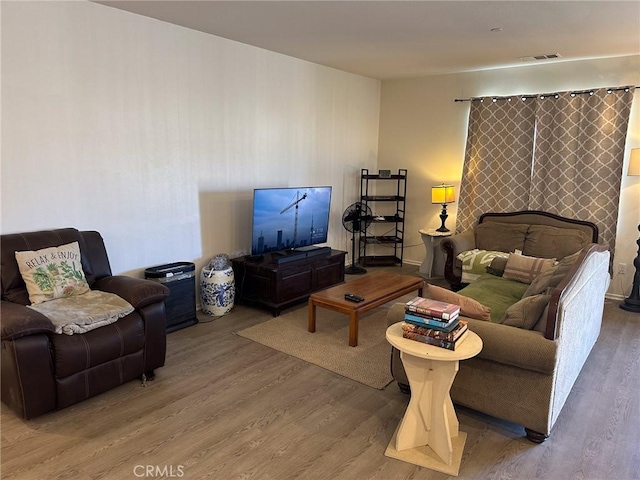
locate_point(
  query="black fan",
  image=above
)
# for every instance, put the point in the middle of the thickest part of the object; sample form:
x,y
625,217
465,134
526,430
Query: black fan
x,y
356,218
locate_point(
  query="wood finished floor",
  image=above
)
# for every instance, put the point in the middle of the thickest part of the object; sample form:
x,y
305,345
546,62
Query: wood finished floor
x,y
225,407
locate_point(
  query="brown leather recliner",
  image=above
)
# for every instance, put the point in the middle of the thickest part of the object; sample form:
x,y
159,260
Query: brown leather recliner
x,y
44,371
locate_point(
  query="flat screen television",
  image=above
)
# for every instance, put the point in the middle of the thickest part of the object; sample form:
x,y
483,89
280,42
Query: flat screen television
x,y
293,218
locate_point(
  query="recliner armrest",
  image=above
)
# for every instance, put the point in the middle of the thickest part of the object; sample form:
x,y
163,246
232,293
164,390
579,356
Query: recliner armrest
x,y
138,292
19,321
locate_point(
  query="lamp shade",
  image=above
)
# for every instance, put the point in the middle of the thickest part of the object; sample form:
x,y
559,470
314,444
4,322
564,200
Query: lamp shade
x,y
634,162
443,194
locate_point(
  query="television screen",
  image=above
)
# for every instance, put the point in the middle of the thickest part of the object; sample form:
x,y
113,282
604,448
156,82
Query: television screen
x,y
289,218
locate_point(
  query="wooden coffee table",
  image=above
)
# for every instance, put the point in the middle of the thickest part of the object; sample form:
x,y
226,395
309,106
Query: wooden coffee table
x,y
377,289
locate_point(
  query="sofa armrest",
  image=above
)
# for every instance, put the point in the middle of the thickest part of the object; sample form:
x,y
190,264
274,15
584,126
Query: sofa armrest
x,y
452,247
579,304
19,321
136,291
526,349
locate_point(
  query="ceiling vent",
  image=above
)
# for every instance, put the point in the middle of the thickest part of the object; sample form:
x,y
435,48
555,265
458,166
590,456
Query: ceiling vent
x,y
547,56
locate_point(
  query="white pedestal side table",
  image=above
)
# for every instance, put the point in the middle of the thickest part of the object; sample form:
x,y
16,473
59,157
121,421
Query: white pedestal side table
x,y
431,239
428,434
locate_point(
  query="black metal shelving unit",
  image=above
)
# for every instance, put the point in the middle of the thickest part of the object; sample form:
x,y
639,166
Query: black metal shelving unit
x,y
390,194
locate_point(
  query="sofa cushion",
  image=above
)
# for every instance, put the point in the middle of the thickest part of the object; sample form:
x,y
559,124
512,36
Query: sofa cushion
x,y
468,306
562,269
504,237
53,272
552,277
525,269
553,242
540,283
497,293
541,325
475,262
526,312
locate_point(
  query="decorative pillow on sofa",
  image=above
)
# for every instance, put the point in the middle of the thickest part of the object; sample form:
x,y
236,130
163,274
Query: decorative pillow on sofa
x,y
475,262
552,277
541,283
468,306
497,266
53,272
525,269
527,312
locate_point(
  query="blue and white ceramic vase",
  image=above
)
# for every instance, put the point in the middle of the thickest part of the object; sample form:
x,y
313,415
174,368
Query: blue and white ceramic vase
x,y
217,291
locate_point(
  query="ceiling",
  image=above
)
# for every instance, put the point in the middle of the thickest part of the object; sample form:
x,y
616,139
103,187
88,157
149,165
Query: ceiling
x,y
400,39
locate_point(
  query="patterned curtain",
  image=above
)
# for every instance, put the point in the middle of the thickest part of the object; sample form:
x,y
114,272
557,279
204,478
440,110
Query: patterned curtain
x,y
496,174
578,157
574,170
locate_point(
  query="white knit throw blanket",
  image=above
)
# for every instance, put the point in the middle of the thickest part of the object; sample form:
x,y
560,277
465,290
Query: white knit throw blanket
x,y
82,313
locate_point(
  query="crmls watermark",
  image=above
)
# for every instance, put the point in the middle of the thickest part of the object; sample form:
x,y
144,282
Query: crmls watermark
x,y
158,471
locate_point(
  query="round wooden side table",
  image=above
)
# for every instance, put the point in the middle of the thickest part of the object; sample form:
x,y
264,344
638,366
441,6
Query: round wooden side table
x,y
428,434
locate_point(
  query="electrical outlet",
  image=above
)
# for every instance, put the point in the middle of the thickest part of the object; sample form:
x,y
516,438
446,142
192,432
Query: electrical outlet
x,y
622,268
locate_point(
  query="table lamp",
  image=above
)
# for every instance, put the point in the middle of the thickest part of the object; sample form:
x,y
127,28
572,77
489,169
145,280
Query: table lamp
x,y
632,303
443,194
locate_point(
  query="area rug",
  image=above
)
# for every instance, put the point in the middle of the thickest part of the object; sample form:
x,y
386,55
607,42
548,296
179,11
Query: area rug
x,y
328,347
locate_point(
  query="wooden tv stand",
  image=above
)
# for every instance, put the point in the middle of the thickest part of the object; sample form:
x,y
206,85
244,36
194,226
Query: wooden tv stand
x,y
276,286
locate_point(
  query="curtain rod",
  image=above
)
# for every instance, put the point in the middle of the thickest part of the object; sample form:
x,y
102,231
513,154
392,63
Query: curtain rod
x,y
544,95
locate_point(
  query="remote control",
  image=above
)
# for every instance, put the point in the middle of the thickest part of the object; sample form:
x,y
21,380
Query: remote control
x,y
353,298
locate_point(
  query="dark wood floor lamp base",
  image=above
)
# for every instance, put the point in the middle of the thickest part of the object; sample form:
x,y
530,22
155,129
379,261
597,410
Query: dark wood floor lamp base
x,y
632,303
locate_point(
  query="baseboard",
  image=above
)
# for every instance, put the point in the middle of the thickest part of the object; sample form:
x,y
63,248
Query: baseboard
x,y
412,262
614,296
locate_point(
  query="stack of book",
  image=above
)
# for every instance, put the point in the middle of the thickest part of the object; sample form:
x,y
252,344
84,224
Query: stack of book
x,y
433,322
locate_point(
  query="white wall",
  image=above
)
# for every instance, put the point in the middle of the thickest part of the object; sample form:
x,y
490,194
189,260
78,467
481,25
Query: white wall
x,y
155,135
423,130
